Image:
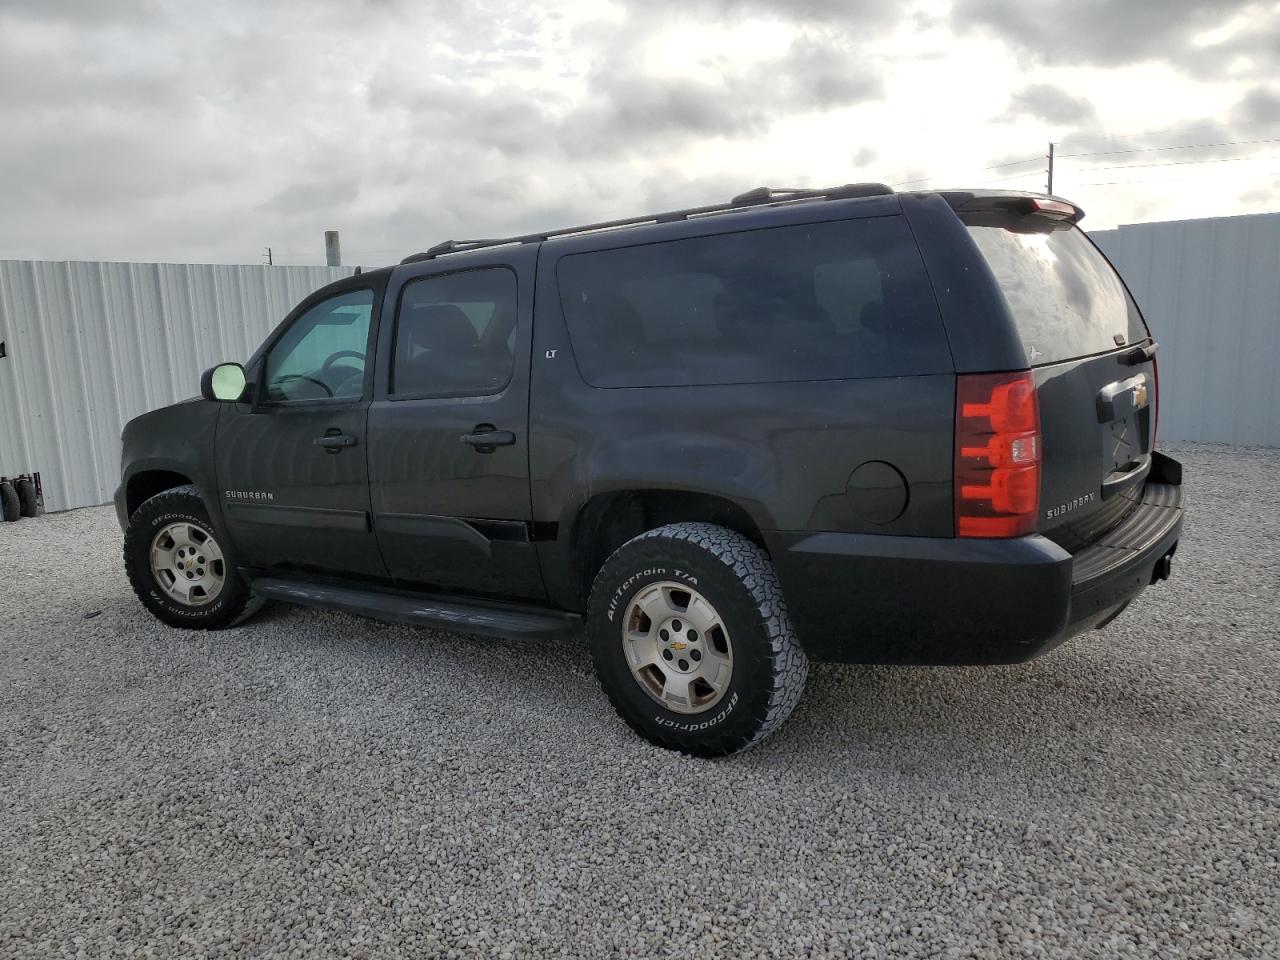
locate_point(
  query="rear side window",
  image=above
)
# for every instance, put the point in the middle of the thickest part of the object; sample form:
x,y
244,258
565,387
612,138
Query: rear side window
x,y
1065,298
820,301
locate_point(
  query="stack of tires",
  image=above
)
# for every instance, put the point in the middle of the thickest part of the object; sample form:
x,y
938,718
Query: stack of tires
x,y
20,498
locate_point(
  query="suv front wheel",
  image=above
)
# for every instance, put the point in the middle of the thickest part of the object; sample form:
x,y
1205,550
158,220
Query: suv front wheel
x,y
692,642
177,566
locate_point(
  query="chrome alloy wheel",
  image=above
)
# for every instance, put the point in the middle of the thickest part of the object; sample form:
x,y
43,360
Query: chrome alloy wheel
x,y
187,564
677,647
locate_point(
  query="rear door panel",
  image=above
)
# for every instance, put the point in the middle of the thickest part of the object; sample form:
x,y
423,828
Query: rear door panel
x,y
451,515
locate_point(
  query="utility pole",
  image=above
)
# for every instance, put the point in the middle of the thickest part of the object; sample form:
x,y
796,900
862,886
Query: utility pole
x,y
332,252
267,256
1049,189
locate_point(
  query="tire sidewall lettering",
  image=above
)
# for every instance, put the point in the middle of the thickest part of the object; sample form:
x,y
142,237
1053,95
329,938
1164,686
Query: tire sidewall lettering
x,y
703,725
626,589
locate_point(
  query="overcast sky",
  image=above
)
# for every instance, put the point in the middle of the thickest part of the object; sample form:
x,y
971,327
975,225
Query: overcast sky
x,y
205,131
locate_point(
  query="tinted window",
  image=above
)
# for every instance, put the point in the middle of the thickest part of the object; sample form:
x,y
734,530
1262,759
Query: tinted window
x,y
814,302
454,334
321,356
1065,298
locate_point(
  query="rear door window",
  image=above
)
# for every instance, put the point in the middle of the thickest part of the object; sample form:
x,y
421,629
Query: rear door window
x,y
1065,298
454,334
822,301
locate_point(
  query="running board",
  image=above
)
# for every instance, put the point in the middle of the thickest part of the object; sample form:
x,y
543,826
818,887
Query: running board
x,y
474,616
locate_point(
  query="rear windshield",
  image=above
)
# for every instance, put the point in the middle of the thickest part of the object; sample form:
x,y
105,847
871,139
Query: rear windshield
x,y
1065,298
820,301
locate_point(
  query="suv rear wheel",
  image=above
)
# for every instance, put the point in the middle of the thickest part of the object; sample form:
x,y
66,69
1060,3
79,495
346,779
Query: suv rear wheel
x,y
178,568
692,642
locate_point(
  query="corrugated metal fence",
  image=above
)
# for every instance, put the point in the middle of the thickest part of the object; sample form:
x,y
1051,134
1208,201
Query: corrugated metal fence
x,y
1211,291
92,345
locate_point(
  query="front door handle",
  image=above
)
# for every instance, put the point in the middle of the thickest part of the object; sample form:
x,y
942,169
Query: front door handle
x,y
334,440
486,438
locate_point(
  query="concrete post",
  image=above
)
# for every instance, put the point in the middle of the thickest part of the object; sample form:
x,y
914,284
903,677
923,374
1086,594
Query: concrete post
x,y
332,252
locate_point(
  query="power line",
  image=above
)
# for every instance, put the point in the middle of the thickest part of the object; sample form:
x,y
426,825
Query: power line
x,y
1118,183
1181,146
1016,176
1208,124
994,166
1181,163
1013,163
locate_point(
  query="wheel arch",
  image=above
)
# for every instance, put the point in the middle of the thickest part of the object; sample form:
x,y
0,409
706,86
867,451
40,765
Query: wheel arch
x,y
608,520
145,484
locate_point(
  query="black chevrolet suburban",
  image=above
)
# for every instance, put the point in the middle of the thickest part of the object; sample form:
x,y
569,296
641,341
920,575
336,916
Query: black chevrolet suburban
x,y
846,424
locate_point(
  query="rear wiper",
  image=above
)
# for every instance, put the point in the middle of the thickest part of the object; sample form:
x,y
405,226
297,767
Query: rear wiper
x,y
1140,354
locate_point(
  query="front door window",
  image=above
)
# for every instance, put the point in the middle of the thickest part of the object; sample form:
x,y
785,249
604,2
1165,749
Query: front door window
x,y
322,355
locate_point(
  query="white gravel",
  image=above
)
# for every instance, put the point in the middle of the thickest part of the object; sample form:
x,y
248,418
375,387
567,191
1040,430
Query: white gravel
x,y
315,784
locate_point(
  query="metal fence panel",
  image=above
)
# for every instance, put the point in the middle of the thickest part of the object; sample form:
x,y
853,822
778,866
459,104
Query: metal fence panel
x,y
1210,290
92,345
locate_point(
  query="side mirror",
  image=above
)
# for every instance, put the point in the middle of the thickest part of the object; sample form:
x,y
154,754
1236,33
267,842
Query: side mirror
x,y
224,382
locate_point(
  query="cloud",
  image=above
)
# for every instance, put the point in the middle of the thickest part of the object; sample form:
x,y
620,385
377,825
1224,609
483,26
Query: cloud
x,y
1260,107
625,110
859,14
81,12
1105,32
147,129
730,100
314,195
1051,104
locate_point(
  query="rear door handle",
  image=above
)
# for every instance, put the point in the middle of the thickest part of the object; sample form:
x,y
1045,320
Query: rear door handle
x,y
333,441
486,439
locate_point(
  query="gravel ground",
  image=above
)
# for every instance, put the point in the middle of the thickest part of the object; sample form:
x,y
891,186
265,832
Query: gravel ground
x,y
316,784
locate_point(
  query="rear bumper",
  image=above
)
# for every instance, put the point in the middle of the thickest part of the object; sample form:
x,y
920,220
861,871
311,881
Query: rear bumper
x,y
858,598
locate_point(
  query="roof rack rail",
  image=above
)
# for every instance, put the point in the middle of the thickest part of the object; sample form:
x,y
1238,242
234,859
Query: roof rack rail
x,y
757,197
454,246
779,194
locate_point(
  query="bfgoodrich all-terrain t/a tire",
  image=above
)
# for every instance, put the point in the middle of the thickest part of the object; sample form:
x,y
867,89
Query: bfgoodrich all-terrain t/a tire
x,y
692,642
179,569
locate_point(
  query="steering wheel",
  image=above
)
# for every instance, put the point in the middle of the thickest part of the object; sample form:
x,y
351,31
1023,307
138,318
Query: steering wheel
x,y
333,357
302,376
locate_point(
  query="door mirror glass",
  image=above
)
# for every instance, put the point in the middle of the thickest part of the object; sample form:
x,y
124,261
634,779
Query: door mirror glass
x,y
224,382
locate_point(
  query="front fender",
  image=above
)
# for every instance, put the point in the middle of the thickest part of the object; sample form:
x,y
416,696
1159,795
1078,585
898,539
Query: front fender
x,y
176,439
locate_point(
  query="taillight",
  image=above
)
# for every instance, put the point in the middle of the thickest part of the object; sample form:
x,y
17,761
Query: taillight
x,y
1155,427
997,466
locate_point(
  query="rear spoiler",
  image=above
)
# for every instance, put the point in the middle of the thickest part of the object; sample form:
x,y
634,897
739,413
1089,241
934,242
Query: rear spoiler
x,y
1007,202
